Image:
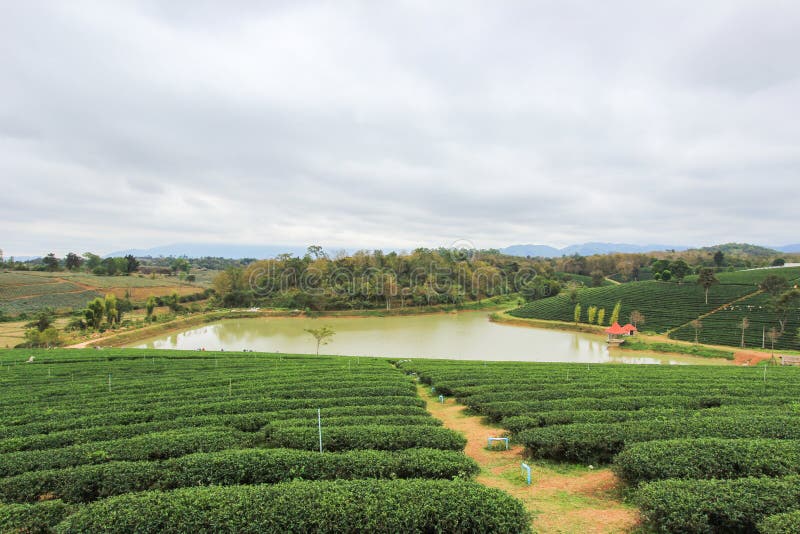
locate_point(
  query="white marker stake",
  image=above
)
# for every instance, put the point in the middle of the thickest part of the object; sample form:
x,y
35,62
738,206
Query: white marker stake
x,y
319,426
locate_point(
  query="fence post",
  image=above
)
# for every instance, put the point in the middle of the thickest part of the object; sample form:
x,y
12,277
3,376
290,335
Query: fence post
x,y
319,426
527,468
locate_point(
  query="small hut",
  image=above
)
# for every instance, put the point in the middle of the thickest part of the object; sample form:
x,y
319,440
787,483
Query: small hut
x,y
629,329
615,334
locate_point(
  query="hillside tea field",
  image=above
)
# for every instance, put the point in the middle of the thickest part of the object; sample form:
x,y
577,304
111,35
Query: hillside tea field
x,y
126,440
665,304
702,449
670,307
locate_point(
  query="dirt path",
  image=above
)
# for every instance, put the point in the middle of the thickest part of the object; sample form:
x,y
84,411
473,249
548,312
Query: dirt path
x,y
89,342
751,357
561,498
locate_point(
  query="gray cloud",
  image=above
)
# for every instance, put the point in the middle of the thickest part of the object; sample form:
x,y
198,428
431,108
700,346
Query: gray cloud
x,y
133,124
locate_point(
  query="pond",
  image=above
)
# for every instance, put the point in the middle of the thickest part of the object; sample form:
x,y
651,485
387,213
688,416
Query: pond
x,y
461,336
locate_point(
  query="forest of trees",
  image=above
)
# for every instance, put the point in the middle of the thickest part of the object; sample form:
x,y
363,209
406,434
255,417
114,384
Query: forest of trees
x,y
373,279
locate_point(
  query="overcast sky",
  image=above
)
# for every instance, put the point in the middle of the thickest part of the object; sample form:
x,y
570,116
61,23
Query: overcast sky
x,y
397,124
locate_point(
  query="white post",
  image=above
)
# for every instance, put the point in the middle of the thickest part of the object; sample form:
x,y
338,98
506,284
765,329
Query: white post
x,y
230,387
319,426
109,382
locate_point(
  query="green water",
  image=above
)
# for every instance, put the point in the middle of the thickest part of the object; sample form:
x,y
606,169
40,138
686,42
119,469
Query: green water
x,y
463,336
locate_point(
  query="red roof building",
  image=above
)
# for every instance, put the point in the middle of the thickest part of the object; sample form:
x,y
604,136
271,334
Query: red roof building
x,y
629,329
616,330
615,333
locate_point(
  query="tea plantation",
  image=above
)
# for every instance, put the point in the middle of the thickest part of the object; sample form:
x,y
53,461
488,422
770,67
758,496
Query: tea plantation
x,y
665,304
702,449
671,306
722,326
29,292
168,441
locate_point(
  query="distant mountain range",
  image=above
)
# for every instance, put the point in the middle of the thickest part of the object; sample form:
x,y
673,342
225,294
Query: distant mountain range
x,y
197,250
585,249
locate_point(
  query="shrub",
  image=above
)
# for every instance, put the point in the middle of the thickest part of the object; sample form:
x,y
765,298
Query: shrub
x,y
302,506
232,467
590,442
146,447
716,505
780,523
33,518
367,437
708,458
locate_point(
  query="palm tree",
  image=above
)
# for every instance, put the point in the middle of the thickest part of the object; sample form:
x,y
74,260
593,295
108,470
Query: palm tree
x,y
707,279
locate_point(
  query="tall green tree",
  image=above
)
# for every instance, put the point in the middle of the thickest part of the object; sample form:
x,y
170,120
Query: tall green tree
x,y
131,264
51,262
44,320
576,314
92,261
615,313
72,261
112,312
679,269
774,285
150,306
601,315
94,313
783,305
591,313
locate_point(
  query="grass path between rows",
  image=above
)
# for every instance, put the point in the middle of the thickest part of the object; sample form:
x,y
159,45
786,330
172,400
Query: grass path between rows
x,y
561,499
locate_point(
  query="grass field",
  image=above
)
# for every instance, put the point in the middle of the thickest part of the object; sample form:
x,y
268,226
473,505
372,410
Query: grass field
x,y
127,440
26,292
714,449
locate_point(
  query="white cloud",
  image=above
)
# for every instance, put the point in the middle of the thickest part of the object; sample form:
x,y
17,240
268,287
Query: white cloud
x,y
133,124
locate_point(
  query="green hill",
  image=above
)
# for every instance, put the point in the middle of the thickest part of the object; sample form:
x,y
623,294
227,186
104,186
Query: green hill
x,y
741,249
669,305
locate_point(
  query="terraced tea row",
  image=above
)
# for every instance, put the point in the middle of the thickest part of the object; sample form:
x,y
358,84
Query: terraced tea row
x,y
656,424
85,426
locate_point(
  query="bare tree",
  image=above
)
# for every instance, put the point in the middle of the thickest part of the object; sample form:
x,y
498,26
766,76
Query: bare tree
x,y
637,317
744,325
697,324
773,336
